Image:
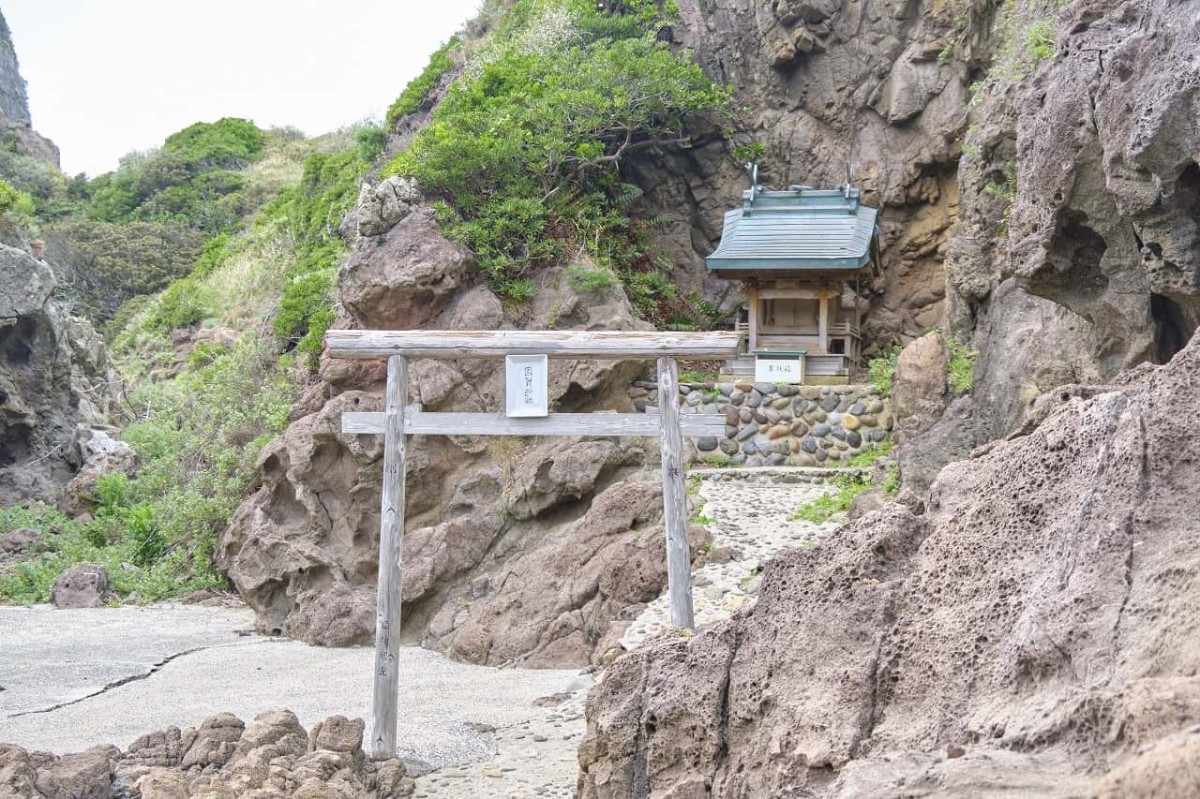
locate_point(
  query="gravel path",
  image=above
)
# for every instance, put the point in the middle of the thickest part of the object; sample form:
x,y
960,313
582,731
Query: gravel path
x,y
749,514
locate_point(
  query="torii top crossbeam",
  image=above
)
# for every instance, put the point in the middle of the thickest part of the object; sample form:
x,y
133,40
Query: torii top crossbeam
x,y
605,344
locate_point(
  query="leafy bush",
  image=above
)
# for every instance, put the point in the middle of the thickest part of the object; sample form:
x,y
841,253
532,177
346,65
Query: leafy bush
x,y
179,306
590,280
229,143
370,140
527,147
16,207
416,93
882,369
113,262
1040,39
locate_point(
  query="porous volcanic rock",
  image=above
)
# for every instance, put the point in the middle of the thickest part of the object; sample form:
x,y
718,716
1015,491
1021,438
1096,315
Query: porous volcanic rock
x,y
84,585
401,279
224,758
1034,632
1076,252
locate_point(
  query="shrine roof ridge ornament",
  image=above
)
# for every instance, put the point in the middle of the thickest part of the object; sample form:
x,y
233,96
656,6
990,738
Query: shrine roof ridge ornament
x,y
606,344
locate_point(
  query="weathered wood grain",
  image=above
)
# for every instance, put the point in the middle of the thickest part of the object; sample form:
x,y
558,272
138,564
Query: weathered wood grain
x,y
679,556
606,344
417,422
391,533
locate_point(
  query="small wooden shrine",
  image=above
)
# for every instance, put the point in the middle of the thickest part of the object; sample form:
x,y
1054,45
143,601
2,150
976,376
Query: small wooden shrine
x,y
804,257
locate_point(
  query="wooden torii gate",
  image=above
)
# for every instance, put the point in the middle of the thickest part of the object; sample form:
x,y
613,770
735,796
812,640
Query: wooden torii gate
x,y
398,420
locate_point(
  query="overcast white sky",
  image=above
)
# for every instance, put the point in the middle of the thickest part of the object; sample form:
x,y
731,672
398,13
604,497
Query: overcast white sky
x,y
110,76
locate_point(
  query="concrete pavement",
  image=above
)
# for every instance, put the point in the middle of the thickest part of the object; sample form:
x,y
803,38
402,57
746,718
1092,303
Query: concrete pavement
x,y
72,679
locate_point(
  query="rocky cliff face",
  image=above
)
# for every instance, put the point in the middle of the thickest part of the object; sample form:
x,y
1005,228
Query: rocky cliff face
x,y
1034,631
516,550
822,86
15,121
14,104
1076,252
54,383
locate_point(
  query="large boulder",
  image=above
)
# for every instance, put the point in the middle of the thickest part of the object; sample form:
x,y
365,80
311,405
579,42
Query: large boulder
x,y
307,539
102,455
84,585
400,281
303,549
382,206
919,388
1034,632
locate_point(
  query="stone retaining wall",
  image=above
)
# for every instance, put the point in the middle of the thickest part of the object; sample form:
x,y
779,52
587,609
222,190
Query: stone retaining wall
x,y
770,424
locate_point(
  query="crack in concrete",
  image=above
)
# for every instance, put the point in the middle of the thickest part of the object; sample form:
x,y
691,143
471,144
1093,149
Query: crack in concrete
x,y
154,669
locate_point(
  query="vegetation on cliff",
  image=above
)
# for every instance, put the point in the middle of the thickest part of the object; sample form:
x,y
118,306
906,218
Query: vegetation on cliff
x,y
524,153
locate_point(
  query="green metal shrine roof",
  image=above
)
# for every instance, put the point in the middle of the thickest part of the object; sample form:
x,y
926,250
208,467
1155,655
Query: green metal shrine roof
x,y
800,229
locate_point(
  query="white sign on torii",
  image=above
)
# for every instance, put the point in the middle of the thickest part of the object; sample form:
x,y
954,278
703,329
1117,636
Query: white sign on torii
x,y
398,420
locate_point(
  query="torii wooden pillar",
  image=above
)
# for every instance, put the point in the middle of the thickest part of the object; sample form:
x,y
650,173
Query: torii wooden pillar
x,y
398,420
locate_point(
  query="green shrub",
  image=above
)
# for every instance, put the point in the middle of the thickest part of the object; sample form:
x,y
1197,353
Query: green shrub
x,y
590,280
180,306
370,141
113,262
1040,39
579,90
228,143
882,369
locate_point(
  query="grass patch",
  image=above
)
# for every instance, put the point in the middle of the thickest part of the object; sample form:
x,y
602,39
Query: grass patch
x,y
868,456
881,369
845,488
960,366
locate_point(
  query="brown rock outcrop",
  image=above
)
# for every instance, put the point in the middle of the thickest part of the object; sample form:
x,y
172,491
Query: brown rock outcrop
x,y
400,279
484,514
272,756
1035,632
